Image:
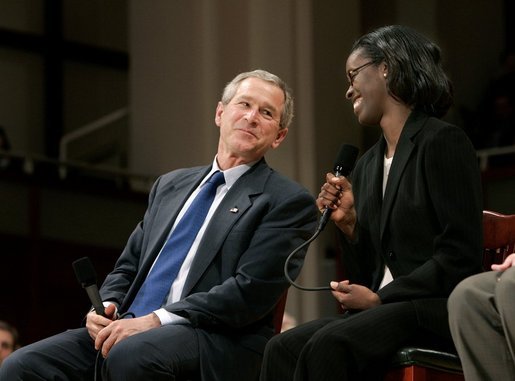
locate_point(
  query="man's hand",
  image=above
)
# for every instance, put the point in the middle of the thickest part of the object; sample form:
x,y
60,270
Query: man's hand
x,y
354,296
94,322
120,329
508,262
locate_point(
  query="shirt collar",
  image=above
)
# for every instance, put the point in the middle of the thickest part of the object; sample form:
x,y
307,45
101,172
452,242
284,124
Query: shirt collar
x,y
231,174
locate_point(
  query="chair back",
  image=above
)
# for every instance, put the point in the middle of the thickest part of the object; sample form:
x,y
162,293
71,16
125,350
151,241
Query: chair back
x,y
498,237
420,364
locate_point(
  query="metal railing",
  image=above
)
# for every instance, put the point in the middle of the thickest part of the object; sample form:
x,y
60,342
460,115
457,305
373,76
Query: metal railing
x,y
108,138
485,154
28,164
143,182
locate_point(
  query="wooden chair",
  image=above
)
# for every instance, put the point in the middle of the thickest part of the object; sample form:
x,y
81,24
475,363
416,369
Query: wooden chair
x,y
418,364
498,237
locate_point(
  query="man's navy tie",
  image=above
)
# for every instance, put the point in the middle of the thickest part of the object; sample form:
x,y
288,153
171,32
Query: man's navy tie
x,y
152,293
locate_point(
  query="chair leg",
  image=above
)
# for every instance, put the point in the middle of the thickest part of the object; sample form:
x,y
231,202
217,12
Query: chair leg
x,y
419,373
408,373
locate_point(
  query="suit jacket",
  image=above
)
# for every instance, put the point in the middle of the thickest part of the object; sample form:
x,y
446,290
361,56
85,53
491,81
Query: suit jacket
x,y
237,275
427,229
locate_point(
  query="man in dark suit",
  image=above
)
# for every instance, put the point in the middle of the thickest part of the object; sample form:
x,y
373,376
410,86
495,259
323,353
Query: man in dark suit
x,y
217,315
410,219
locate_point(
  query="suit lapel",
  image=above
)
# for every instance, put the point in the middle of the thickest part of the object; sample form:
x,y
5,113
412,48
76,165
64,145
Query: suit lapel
x,y
170,206
403,152
175,192
234,205
375,190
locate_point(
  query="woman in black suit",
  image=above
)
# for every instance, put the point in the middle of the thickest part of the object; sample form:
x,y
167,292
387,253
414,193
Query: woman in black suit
x,y
410,219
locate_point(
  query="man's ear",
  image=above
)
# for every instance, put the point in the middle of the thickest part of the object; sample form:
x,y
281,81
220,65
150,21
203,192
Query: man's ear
x,y
281,135
218,113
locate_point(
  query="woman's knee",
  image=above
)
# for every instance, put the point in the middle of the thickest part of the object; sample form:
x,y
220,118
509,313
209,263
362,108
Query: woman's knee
x,y
326,339
274,346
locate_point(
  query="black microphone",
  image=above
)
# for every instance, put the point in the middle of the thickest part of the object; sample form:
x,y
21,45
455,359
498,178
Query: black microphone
x,y
87,278
342,167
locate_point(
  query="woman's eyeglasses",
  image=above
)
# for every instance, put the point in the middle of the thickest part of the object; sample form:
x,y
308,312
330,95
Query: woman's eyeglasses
x,y
351,74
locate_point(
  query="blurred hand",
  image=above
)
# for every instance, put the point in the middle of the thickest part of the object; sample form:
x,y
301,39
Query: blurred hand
x,y
508,262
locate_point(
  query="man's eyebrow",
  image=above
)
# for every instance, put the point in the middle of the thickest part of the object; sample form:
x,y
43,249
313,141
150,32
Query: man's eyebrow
x,y
247,98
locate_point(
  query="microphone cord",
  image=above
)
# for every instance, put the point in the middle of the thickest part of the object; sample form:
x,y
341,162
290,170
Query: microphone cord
x,y
286,263
343,166
97,358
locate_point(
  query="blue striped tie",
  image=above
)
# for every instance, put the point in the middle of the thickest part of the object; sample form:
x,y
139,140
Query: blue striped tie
x,y
155,288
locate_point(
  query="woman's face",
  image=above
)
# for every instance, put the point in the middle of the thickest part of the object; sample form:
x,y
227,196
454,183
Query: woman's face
x,y
367,91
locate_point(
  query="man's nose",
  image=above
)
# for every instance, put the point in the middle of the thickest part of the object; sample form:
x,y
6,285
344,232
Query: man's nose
x,y
252,115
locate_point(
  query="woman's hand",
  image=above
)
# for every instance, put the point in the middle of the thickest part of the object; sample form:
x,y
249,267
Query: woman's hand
x,y
336,194
354,296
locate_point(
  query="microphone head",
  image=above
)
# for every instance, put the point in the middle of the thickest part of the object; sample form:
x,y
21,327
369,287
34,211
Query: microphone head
x,y
345,160
84,272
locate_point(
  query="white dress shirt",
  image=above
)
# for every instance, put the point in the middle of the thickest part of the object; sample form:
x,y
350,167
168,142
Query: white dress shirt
x,y
230,175
387,277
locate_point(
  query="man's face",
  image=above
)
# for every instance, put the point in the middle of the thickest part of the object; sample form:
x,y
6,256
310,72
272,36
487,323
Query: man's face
x,y
6,344
249,123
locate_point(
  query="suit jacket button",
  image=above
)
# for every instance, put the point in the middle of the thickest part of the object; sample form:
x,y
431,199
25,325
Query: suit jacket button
x,y
391,255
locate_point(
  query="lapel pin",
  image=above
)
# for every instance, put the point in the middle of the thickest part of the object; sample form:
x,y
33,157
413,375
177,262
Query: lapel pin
x,y
233,210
